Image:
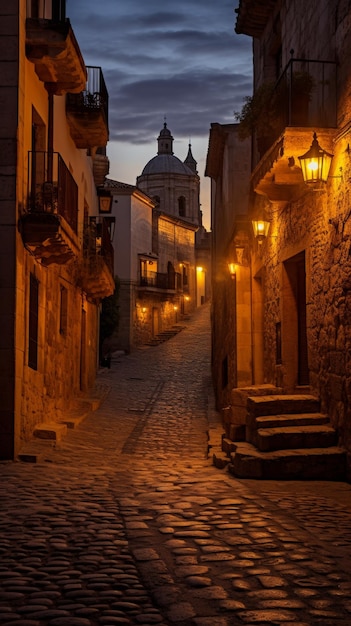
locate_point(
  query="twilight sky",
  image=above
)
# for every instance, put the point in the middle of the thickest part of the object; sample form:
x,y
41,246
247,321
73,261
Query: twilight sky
x,y
176,60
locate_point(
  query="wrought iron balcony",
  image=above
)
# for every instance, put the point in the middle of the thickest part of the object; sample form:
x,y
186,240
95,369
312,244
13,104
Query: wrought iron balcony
x,y
52,47
87,112
49,225
303,100
304,96
158,280
96,269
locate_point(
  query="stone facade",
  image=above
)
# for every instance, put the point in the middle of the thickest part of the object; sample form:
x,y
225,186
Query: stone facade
x,y
155,265
156,225
228,165
49,308
300,271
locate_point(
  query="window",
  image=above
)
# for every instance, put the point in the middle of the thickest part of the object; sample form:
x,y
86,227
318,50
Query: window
x,y
182,206
63,310
33,322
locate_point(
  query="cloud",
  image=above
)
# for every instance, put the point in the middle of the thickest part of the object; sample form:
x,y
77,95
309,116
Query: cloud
x,y
159,58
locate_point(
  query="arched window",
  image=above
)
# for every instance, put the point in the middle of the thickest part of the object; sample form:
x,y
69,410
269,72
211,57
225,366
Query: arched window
x,y
182,206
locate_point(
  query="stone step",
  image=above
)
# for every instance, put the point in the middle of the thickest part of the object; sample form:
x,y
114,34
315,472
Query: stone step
x,y
50,430
299,464
253,423
293,419
282,404
290,437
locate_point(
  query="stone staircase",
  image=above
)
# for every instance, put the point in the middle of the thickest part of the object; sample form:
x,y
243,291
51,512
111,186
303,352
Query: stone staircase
x,y
286,438
165,335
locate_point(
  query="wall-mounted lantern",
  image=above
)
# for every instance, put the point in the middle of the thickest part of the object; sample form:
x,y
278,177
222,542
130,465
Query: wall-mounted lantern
x,y
232,270
105,201
315,163
260,229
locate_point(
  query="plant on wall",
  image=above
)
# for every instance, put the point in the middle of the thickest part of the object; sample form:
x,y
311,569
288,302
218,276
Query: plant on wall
x,y
256,114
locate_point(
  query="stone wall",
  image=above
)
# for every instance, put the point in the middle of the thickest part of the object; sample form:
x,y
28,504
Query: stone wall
x,y
67,357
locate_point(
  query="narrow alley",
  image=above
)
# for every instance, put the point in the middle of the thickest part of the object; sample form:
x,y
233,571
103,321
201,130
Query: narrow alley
x,y
126,520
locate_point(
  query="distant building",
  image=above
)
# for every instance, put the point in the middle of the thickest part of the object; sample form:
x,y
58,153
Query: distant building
x,y
174,185
57,257
156,225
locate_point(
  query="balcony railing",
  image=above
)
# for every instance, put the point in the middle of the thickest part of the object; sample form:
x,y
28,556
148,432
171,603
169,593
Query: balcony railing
x,y
54,10
304,96
161,280
94,98
307,92
87,111
51,187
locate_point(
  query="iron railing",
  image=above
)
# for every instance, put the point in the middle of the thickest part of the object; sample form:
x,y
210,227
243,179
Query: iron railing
x,y
161,280
95,96
54,10
306,94
51,187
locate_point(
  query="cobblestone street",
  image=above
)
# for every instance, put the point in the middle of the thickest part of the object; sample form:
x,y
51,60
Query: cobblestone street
x,y
126,520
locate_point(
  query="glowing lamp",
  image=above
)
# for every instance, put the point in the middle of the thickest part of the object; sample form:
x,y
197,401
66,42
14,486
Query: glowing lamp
x,y
232,270
260,229
315,163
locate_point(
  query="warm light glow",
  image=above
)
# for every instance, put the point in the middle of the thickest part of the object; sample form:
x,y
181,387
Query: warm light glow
x,y
144,309
260,228
232,269
199,269
187,298
175,308
315,163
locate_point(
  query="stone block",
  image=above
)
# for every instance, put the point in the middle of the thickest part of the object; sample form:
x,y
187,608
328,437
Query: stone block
x,y
51,431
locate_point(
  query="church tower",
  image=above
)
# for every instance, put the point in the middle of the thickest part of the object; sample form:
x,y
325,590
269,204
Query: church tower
x,y
172,183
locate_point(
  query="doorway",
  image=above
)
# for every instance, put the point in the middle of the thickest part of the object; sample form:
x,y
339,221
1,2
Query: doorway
x,y
155,321
294,322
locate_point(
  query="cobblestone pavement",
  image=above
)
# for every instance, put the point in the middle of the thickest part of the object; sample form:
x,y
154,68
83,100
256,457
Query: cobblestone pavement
x,y
126,521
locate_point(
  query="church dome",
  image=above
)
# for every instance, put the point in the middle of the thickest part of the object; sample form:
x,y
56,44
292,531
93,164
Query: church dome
x,y
165,162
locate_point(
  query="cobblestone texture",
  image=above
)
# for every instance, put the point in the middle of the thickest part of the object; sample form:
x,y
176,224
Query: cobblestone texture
x,y
126,521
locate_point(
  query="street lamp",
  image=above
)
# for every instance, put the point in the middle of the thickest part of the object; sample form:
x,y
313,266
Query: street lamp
x,y
260,229
232,270
315,163
105,201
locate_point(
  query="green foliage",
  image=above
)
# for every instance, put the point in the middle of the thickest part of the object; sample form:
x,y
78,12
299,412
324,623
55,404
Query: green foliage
x,y
256,114
266,111
255,109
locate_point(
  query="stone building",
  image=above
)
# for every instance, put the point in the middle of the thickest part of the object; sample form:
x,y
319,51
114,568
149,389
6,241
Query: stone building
x,y
229,167
156,225
57,257
298,314
174,186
